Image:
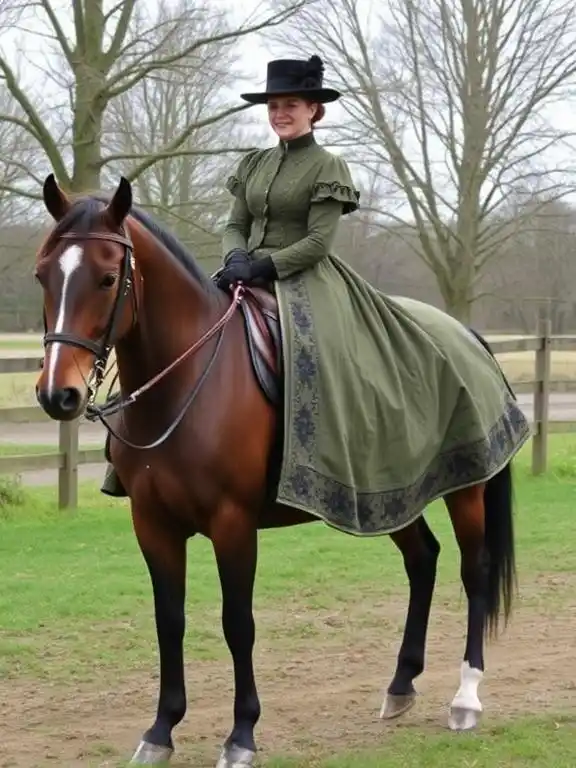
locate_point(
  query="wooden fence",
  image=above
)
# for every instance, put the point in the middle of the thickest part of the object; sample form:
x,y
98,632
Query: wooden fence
x,y
69,457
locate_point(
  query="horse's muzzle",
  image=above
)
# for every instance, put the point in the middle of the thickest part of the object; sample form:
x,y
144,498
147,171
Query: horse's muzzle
x,y
61,404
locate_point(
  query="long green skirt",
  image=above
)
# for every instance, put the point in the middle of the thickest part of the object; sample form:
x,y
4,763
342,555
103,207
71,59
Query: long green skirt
x,y
389,403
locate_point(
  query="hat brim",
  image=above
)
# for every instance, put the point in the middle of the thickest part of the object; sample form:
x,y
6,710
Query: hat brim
x,y
321,95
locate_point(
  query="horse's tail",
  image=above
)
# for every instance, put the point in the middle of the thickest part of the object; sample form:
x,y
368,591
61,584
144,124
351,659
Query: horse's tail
x,y
499,542
499,533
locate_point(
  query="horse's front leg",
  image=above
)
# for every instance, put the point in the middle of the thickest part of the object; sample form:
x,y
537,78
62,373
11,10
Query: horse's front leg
x,y
234,537
164,550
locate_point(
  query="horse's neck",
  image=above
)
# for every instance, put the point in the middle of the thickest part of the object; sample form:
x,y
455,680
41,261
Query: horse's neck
x,y
172,312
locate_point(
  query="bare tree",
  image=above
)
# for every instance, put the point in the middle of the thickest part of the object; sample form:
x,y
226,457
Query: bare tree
x,y
185,188
446,100
18,163
110,53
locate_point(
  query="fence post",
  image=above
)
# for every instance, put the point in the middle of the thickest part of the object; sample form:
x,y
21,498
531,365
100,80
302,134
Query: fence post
x,y
68,472
541,398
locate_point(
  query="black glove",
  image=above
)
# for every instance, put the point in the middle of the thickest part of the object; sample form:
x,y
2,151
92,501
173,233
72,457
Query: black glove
x,y
238,269
236,256
264,269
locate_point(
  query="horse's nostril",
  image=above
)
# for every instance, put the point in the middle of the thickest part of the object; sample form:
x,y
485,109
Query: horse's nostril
x,y
62,404
67,399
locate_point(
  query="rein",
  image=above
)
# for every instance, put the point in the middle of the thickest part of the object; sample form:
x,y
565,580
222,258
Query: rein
x,y
101,349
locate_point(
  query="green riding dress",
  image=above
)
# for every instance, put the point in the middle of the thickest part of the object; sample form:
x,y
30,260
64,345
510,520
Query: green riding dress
x,y
389,402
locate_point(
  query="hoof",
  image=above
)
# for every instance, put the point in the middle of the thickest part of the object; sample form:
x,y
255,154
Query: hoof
x,y
151,754
236,757
395,706
461,719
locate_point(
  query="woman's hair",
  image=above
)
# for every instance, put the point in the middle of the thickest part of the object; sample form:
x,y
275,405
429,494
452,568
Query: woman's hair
x,y
320,112
320,109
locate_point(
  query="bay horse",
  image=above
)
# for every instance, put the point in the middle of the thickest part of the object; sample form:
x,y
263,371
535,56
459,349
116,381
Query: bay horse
x,y
204,462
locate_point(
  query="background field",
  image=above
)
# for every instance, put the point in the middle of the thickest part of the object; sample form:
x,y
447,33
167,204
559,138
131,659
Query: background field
x,y
78,664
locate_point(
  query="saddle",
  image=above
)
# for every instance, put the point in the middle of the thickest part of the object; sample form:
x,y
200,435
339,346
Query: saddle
x,y
262,323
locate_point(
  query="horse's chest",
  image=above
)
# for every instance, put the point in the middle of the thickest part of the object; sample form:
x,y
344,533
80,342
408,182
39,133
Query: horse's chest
x,y
173,484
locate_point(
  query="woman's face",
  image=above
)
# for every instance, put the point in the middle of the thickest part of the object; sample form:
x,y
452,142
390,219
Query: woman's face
x,y
290,116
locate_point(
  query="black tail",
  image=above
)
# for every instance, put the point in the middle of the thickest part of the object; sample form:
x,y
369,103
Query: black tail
x,y
499,540
499,535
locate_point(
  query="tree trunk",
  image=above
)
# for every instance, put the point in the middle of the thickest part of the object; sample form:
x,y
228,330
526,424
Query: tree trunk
x,y
458,303
90,101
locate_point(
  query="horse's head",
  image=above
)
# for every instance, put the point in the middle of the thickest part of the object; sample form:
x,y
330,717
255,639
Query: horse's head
x,y
85,269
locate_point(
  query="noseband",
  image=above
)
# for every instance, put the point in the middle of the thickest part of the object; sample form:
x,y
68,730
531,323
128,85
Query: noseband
x,y
100,349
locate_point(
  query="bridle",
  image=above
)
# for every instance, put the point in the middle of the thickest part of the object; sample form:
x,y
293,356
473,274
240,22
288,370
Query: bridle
x,y
102,348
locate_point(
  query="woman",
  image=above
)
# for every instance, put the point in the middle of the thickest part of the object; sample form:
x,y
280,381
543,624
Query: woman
x,y
388,403
288,199
379,392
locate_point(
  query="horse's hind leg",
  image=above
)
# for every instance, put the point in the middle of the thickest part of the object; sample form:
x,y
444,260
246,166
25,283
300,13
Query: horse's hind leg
x,y
420,551
466,508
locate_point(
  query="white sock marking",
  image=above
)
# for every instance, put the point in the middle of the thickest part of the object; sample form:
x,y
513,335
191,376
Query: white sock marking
x,y
467,695
69,262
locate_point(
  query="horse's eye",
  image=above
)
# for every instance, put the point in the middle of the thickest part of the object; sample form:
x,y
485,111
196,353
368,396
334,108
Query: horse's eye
x,y
108,280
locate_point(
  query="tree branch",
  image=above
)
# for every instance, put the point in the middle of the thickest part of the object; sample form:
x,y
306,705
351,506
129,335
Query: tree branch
x,y
131,75
79,24
111,55
37,127
58,31
176,143
20,192
172,154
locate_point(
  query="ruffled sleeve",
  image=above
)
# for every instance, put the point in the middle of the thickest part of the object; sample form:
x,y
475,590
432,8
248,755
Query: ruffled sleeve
x,y
236,182
334,182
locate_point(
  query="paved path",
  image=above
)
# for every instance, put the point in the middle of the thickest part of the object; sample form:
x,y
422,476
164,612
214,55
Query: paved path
x,y
562,408
46,433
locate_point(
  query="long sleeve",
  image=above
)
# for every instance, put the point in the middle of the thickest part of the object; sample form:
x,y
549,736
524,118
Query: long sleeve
x,y
323,222
237,228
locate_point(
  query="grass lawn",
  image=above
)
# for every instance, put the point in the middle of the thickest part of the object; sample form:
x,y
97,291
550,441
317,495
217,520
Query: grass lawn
x,y
76,615
534,743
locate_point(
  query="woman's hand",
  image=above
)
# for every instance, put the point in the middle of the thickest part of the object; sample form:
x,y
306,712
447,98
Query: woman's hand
x,y
235,271
239,268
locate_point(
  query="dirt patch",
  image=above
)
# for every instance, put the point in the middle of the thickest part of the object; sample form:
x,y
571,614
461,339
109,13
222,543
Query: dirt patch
x,y
321,695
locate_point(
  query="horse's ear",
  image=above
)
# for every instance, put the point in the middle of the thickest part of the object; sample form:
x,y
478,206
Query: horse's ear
x,y
119,207
55,200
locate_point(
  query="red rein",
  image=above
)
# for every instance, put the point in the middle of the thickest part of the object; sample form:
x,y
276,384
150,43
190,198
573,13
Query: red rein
x,y
226,317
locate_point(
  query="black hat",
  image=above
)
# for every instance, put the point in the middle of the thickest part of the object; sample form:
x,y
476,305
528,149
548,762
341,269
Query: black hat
x,y
299,77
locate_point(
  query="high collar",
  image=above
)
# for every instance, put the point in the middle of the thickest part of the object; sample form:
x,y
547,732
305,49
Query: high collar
x,y
307,140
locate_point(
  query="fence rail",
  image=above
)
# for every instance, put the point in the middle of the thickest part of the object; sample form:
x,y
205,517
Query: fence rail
x,y
68,457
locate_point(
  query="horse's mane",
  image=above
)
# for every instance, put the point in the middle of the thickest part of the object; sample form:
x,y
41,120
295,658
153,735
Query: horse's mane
x,y
85,210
